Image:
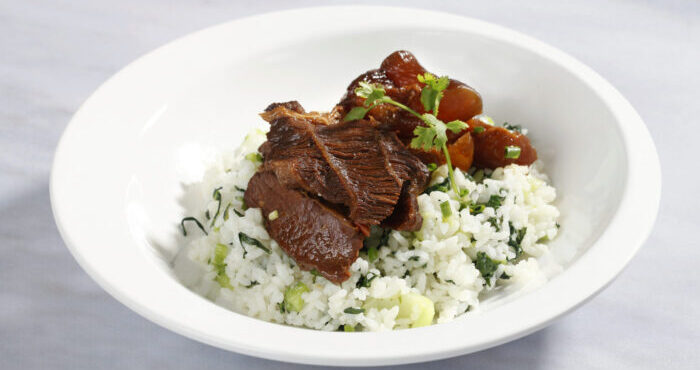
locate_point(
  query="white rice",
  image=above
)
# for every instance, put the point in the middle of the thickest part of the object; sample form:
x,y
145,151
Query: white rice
x,y
436,262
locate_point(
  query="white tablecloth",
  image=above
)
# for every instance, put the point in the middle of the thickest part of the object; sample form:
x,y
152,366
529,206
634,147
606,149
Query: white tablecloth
x,y
53,54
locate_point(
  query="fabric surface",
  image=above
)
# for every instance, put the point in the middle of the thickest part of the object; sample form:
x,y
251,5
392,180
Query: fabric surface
x,y
53,54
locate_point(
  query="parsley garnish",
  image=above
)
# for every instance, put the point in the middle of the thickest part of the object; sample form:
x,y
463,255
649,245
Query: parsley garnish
x,y
495,201
516,238
431,136
486,266
444,187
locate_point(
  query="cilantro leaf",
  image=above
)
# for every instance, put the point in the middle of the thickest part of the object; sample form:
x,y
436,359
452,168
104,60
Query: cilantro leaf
x,y
456,126
432,93
356,113
424,138
366,89
438,127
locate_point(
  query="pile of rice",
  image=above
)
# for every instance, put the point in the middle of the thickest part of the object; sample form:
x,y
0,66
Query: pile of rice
x,y
438,262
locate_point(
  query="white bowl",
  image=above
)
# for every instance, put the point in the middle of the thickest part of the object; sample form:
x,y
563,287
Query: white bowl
x,y
117,174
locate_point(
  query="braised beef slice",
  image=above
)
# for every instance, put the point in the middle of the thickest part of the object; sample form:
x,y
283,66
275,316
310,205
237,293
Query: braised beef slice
x,y
415,177
349,163
314,235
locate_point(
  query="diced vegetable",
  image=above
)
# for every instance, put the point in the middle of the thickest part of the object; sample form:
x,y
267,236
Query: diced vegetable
x,y
273,215
381,303
418,308
372,254
254,157
220,253
512,152
292,297
348,328
478,175
445,209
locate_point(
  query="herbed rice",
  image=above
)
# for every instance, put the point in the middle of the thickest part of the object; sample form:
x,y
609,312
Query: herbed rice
x,y
438,262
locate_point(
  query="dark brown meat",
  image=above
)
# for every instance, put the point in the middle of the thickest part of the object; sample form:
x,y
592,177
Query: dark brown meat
x,y
314,235
490,146
460,102
352,163
414,176
398,74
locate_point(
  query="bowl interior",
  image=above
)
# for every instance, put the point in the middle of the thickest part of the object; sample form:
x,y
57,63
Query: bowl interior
x,y
117,182
217,104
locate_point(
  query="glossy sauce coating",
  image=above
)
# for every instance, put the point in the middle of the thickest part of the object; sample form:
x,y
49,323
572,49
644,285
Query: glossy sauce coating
x,y
460,102
490,146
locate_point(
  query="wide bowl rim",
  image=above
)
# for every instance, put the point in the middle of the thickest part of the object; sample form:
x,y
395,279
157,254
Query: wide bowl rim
x,y
643,181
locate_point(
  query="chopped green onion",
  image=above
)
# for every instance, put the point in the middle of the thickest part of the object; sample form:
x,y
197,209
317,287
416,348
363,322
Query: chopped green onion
x,y
254,157
192,219
495,201
463,193
372,254
292,297
432,167
220,253
365,281
273,215
237,212
239,189
353,310
512,152
478,129
478,175
243,238
348,328
445,209
476,209
228,206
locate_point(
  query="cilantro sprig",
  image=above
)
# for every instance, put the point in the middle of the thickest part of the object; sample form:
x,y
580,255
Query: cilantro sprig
x,y
431,136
